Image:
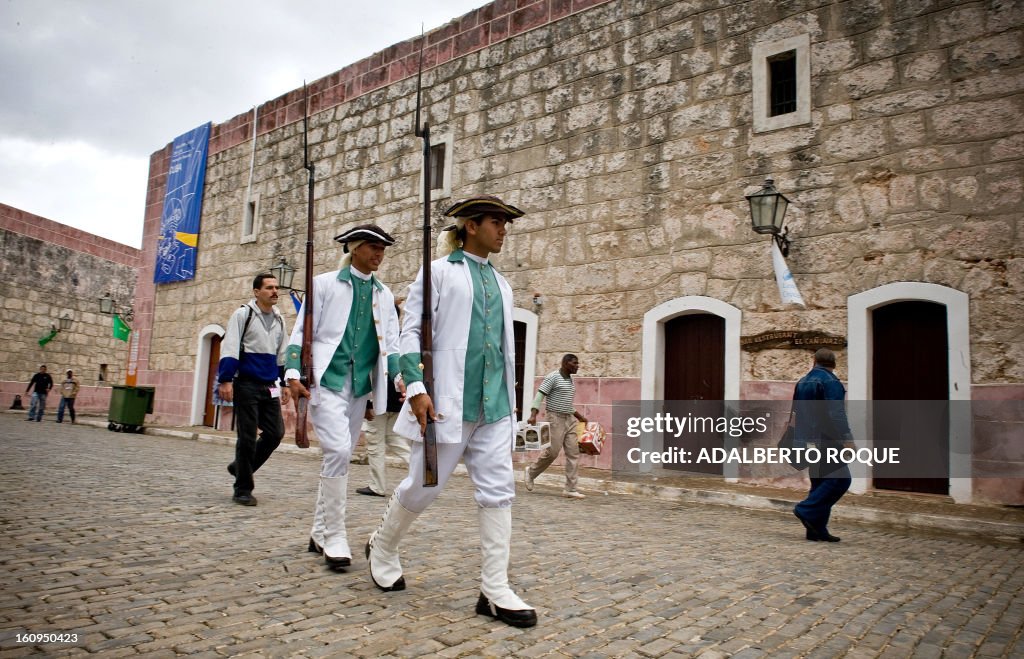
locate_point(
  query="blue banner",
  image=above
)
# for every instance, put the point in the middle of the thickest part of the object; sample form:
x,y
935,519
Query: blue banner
x,y
183,204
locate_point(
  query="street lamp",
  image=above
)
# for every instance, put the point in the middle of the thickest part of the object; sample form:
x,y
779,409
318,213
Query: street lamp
x,y
106,304
767,212
63,324
109,305
283,273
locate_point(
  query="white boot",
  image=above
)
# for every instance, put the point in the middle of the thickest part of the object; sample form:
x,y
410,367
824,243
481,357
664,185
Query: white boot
x,y
334,495
316,534
496,597
382,547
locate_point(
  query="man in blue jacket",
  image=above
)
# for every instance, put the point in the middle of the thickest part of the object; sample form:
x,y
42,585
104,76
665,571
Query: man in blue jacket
x,y
250,368
819,403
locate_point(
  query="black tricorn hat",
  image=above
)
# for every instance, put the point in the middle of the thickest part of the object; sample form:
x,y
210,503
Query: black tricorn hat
x,y
483,205
368,232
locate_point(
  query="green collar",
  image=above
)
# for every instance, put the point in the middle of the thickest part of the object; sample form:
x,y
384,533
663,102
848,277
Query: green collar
x,y
345,274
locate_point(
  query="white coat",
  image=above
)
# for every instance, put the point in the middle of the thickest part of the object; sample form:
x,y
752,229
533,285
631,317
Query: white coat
x,y
332,302
452,308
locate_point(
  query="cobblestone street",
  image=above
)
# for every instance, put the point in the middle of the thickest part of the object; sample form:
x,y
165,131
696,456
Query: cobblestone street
x,y
131,544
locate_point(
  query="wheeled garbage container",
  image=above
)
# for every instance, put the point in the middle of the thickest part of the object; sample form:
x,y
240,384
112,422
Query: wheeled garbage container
x,y
128,407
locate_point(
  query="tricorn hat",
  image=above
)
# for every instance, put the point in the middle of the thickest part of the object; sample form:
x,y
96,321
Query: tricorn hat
x,y
365,232
483,205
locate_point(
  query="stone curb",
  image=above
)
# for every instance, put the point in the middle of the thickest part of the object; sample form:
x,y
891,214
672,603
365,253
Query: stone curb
x,y
993,530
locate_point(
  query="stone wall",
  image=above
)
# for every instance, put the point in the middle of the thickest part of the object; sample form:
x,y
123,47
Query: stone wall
x,y
625,131
50,270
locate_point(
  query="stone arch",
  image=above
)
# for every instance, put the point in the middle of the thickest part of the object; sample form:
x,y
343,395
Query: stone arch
x,y
652,385
201,372
859,355
532,321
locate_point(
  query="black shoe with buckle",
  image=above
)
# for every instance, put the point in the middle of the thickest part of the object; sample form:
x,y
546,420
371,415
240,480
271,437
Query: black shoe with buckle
x,y
526,618
244,499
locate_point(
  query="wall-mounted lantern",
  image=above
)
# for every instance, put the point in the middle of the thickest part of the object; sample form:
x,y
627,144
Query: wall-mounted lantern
x,y
767,213
284,274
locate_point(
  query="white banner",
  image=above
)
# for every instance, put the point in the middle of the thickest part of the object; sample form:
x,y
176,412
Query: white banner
x,y
788,291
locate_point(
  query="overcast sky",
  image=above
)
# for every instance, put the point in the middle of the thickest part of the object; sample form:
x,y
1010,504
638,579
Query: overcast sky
x,y
90,88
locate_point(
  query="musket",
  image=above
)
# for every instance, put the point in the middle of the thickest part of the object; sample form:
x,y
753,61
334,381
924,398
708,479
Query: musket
x,y
306,355
427,319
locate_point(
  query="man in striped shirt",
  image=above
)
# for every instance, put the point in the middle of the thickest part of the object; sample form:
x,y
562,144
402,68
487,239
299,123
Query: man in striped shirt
x,y
560,391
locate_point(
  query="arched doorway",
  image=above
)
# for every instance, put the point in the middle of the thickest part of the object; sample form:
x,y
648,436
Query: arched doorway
x,y
209,411
524,325
695,371
691,351
909,365
862,381
205,370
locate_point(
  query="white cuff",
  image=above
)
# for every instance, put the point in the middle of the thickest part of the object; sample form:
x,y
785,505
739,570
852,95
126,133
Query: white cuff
x,y
291,374
415,389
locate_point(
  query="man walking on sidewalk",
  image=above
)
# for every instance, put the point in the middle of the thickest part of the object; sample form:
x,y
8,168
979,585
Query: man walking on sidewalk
x,y
560,391
381,439
42,383
68,392
251,365
819,403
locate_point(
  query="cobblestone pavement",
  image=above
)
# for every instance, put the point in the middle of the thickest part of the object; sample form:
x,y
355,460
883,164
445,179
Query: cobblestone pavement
x,y
131,543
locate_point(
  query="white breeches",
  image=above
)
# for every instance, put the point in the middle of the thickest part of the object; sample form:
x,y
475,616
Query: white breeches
x,y
486,450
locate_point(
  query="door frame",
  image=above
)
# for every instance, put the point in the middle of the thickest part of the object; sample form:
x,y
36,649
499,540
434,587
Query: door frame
x,y
652,370
958,334
529,319
201,372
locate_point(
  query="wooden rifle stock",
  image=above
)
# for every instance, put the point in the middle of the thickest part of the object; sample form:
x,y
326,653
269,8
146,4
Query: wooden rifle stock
x,y
306,355
427,323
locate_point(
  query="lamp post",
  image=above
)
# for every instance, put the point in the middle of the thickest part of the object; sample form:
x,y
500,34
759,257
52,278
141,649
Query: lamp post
x,y
767,212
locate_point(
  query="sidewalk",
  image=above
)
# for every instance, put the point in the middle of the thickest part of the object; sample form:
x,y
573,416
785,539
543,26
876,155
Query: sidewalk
x,y
922,512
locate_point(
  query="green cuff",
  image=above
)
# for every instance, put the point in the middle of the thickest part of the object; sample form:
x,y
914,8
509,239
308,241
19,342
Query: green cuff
x,y
411,371
293,358
393,365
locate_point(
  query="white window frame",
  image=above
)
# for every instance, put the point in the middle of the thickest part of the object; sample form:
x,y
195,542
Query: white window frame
x,y
449,156
759,58
254,201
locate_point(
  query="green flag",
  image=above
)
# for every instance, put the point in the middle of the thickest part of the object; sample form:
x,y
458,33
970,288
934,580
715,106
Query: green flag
x,y
121,329
46,339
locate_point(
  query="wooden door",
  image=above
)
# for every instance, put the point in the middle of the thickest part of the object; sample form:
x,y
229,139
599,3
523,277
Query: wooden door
x,y
519,331
695,371
211,376
910,363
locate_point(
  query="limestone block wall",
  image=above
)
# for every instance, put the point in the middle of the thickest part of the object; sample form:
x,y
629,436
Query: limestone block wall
x,y
625,130
49,270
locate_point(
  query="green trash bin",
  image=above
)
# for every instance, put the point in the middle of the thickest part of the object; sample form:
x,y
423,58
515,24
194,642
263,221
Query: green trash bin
x,y
128,407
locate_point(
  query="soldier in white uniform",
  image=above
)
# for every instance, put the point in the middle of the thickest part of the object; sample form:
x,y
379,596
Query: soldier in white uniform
x,y
472,404
355,346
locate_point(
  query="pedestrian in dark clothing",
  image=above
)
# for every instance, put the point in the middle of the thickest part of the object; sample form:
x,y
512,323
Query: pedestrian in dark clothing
x,y
42,383
819,403
250,368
